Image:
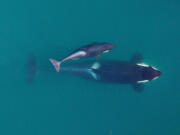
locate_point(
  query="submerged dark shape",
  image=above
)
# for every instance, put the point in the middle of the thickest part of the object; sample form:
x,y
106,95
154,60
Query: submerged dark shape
x,y
120,72
90,50
31,67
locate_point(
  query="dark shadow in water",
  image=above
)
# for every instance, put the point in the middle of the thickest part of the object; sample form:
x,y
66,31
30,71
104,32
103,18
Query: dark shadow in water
x,y
31,67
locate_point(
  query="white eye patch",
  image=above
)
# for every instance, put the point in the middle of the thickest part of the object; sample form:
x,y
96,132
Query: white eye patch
x,y
106,51
143,64
155,78
143,81
154,68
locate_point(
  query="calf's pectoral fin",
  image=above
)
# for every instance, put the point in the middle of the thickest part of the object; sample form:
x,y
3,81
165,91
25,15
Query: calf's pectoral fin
x,y
138,87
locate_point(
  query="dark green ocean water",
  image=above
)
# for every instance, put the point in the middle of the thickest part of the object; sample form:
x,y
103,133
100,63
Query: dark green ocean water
x,y
56,104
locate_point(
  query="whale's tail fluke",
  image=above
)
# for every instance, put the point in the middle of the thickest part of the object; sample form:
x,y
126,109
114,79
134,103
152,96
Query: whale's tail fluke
x,y
31,67
56,64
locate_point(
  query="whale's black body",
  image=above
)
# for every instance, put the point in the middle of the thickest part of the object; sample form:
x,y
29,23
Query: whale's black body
x,y
121,72
124,72
116,72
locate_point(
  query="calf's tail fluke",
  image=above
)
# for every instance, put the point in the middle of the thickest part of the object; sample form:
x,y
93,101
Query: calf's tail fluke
x,y
56,64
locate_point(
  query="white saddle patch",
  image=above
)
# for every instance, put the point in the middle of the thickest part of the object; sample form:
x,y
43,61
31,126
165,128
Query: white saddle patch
x,y
82,53
77,54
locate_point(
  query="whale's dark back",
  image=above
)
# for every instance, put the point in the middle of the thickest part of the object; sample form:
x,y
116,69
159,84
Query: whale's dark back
x,y
111,71
119,72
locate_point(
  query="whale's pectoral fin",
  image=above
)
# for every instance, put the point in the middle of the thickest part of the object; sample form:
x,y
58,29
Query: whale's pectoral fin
x,y
96,65
137,58
138,87
93,74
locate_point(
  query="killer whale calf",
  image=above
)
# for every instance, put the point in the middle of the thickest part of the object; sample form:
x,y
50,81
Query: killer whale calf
x,y
90,50
133,72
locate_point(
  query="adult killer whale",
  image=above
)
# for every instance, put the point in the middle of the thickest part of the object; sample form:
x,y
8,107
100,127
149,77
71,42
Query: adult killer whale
x,y
90,50
132,72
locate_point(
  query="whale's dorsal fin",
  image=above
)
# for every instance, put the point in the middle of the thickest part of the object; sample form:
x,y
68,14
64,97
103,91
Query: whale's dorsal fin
x,y
137,58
